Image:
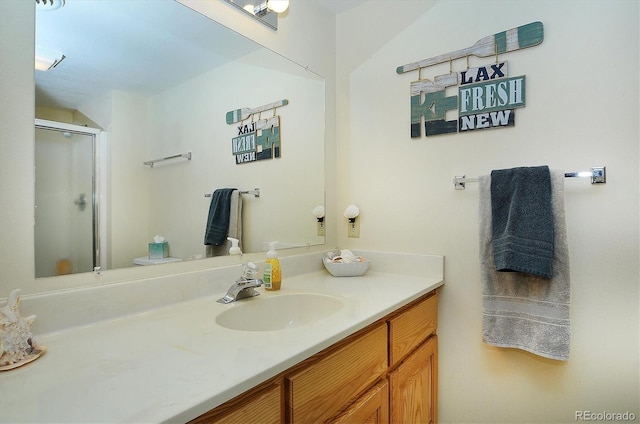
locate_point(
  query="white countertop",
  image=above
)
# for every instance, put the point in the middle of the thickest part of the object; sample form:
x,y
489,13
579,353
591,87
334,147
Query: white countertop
x,y
173,363
146,260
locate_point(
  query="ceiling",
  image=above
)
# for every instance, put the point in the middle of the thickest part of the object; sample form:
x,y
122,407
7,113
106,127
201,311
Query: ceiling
x,y
132,46
126,45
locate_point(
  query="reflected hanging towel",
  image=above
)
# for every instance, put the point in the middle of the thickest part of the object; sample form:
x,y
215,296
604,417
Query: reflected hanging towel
x,y
522,220
218,221
235,228
525,311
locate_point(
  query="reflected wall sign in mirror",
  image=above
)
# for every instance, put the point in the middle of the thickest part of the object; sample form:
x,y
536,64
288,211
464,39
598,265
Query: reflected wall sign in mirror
x,y
156,79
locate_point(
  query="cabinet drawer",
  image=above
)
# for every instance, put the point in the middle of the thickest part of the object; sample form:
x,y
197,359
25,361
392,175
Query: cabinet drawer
x,y
322,389
411,327
263,406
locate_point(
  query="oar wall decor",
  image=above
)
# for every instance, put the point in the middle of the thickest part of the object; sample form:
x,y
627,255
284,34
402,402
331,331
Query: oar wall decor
x,y
238,115
506,41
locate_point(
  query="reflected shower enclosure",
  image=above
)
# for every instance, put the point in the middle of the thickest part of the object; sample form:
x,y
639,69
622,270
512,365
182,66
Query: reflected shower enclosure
x,y
66,237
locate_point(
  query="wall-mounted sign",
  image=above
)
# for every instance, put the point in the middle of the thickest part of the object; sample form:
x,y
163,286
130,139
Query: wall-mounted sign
x,y
486,98
257,140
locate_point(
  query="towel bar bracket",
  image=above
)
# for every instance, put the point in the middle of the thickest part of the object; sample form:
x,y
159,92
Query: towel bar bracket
x,y
598,175
459,182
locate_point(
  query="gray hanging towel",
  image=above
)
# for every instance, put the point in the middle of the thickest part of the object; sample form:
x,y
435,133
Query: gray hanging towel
x,y
526,311
218,220
522,220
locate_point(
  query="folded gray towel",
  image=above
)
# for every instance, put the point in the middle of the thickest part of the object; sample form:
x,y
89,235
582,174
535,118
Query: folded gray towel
x,y
522,221
218,220
521,310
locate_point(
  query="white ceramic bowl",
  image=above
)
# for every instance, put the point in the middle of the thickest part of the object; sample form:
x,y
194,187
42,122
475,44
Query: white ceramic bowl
x,y
340,269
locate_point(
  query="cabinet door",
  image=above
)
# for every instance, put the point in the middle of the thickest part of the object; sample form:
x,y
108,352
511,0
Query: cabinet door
x,y
414,384
324,388
262,406
370,408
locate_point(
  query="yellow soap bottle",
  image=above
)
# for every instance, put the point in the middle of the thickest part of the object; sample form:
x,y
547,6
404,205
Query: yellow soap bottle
x,y
272,276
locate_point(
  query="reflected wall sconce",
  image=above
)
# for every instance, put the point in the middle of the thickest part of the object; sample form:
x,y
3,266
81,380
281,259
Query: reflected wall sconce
x,y
318,212
264,11
351,213
277,6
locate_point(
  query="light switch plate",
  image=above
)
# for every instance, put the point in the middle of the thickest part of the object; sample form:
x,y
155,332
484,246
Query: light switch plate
x,y
354,228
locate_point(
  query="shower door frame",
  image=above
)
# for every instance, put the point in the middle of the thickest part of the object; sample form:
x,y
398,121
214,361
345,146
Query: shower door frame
x,y
98,182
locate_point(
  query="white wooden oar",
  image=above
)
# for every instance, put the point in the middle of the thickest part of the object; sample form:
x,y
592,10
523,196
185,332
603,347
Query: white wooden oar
x,y
506,41
238,115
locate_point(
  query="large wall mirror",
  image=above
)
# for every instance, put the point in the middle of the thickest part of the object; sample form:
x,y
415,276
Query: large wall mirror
x,y
149,79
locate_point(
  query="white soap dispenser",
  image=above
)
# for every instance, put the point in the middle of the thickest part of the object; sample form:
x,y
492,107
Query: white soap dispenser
x,y
234,249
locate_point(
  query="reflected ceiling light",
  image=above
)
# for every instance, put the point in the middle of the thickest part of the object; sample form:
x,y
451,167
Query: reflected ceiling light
x,y
47,59
277,6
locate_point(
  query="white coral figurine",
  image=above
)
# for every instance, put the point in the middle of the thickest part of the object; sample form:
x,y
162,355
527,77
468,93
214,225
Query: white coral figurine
x,y
17,345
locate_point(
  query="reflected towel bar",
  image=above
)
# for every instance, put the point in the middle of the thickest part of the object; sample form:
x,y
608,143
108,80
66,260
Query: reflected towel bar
x,y
255,192
597,174
182,155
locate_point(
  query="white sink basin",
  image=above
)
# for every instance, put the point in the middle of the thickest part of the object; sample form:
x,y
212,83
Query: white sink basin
x,y
278,312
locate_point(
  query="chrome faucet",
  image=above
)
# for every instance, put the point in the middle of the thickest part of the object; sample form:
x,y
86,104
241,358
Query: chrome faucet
x,y
244,286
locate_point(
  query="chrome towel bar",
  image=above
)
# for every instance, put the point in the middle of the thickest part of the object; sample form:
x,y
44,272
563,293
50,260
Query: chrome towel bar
x,y
182,155
598,175
255,192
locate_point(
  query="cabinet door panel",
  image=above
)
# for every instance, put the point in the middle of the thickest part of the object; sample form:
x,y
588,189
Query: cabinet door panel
x,y
324,388
370,408
414,384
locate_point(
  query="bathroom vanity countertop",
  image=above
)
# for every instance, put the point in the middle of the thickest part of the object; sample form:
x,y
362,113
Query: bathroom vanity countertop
x,y
173,363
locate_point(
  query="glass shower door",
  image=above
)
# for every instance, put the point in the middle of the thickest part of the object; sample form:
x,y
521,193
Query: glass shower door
x,y
64,202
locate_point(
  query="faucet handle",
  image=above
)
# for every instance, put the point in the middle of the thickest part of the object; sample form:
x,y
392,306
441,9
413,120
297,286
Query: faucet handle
x,y
249,270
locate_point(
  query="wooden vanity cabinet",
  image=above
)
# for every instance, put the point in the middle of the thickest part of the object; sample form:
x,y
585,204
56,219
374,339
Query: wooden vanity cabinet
x,y
385,373
411,326
370,408
262,404
328,383
413,386
413,360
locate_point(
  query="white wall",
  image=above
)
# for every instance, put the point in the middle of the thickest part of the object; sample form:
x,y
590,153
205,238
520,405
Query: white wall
x,y
582,111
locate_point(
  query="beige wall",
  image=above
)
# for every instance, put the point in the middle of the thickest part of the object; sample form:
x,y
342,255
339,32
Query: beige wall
x,y
16,142
582,111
